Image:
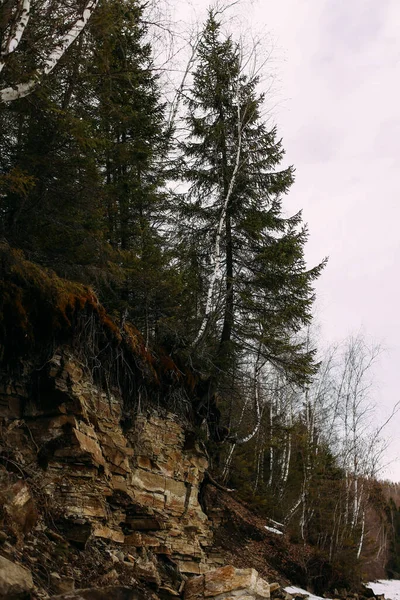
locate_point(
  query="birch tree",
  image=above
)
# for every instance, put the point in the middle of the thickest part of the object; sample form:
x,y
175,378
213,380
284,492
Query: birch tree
x,y
339,415
15,22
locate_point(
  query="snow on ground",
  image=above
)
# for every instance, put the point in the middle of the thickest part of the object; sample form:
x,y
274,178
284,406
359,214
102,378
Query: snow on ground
x,y
273,530
389,587
296,590
276,523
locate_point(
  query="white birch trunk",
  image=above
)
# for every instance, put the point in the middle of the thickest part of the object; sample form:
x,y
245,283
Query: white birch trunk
x,y
288,457
228,461
256,428
271,449
257,369
21,90
179,92
217,249
288,453
293,510
16,31
360,545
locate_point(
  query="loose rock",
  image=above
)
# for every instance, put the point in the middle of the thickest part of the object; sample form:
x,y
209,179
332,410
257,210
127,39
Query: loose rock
x,y
15,581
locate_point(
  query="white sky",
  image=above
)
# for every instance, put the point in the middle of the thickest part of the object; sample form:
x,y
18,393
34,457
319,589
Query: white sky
x,y
337,106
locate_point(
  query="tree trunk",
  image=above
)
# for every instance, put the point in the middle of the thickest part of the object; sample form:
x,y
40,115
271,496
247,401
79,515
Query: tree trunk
x,y
228,313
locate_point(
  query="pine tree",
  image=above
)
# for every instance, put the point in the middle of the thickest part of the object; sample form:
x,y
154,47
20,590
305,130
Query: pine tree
x,y
259,289
129,119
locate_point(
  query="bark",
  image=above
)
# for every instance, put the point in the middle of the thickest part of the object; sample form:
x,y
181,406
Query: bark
x,y
259,413
222,221
360,545
21,90
174,108
287,457
209,479
228,314
16,31
271,448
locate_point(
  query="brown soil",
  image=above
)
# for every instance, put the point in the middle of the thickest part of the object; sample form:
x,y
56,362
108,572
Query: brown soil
x,y
243,541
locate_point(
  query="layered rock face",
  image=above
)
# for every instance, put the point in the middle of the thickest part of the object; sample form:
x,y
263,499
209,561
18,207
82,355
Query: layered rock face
x,y
228,583
133,483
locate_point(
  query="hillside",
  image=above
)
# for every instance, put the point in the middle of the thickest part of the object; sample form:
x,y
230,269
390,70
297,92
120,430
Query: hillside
x,y
108,483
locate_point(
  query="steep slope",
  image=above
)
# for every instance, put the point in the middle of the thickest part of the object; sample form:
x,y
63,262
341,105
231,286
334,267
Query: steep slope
x,y
103,474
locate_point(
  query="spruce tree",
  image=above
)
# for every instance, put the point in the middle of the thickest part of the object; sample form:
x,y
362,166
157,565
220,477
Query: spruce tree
x,y
50,200
259,289
129,121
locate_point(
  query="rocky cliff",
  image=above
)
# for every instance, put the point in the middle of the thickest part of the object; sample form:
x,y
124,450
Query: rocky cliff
x,y
101,468
72,461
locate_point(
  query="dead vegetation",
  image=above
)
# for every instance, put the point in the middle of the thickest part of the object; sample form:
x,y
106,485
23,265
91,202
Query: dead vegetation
x,y
40,311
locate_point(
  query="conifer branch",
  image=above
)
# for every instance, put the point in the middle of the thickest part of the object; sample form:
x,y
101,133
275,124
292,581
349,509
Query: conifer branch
x,y
9,94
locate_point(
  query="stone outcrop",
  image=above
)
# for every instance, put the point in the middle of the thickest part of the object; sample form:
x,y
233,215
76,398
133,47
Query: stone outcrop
x,y
16,582
104,500
132,483
228,583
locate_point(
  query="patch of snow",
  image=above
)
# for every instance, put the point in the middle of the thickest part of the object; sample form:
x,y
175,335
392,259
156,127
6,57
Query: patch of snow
x,y
273,530
276,523
292,589
389,587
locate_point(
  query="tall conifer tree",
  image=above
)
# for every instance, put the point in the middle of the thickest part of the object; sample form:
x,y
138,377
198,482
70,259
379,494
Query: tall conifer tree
x,y
259,291
129,120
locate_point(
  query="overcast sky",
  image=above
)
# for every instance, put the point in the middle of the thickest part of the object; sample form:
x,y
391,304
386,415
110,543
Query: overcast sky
x,y
336,102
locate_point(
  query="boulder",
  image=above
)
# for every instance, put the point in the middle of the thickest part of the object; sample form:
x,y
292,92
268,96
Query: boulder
x,y
147,571
228,582
15,581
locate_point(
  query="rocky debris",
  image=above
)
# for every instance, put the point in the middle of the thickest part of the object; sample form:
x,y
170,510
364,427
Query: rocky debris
x,y
91,495
17,505
279,593
367,592
274,557
147,571
293,593
60,584
226,583
107,593
15,581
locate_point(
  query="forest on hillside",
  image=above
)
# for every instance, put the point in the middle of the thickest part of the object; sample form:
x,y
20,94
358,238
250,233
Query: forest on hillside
x,y
172,209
